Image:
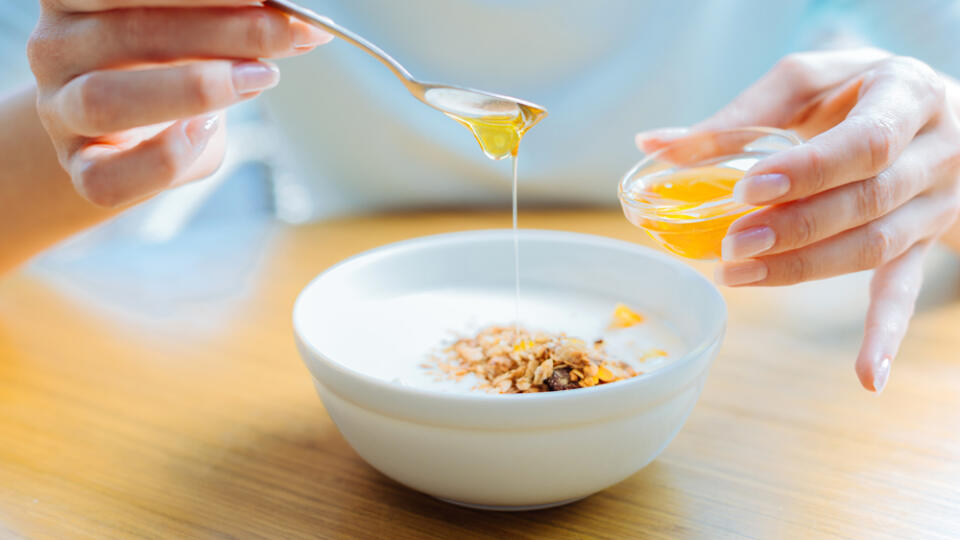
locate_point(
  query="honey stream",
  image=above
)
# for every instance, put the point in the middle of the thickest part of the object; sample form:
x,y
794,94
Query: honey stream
x,y
499,136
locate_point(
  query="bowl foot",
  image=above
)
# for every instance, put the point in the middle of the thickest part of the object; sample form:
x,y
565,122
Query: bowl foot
x,y
496,508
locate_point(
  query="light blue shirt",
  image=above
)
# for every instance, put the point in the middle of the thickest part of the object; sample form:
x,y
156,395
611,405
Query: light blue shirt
x,y
605,69
17,19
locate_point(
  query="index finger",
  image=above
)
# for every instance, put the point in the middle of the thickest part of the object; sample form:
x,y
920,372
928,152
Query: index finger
x,y
896,102
80,6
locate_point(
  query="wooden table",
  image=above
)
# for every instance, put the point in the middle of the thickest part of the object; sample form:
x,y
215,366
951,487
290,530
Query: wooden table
x,y
111,428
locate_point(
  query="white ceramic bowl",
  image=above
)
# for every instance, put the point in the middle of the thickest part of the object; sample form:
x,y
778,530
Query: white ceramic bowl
x,y
372,318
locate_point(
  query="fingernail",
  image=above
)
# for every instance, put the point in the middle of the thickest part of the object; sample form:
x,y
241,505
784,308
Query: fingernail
x,y
761,188
747,243
254,76
881,372
199,130
305,36
740,273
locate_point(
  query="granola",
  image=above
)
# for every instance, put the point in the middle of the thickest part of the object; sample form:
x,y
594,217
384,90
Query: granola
x,y
512,360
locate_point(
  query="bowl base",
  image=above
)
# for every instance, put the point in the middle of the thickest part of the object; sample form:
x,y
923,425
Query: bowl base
x,y
495,508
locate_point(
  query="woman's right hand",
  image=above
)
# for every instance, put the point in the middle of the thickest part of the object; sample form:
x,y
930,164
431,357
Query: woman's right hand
x,y
131,91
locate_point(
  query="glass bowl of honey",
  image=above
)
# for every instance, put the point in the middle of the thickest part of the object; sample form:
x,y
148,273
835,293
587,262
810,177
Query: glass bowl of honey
x,y
682,193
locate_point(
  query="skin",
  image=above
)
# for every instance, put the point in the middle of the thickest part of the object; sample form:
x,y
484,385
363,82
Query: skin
x,y
876,182
129,102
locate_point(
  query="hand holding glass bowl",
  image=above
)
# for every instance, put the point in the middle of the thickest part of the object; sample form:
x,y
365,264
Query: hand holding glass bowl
x,y
682,194
875,183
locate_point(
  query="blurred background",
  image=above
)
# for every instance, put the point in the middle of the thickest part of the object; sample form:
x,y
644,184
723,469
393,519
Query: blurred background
x,y
341,137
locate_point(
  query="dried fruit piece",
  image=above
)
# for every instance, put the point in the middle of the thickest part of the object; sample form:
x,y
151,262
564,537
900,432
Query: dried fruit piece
x,y
523,345
560,380
653,353
624,317
605,375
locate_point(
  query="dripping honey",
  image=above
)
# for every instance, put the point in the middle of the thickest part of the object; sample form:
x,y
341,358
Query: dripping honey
x,y
499,136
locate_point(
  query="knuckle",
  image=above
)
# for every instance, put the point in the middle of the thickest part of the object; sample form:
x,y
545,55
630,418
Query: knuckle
x,y
167,160
881,134
796,268
94,102
45,50
901,64
907,65
874,197
794,64
795,67
805,228
263,34
929,81
48,114
258,32
204,88
877,248
37,48
170,158
815,163
923,79
936,85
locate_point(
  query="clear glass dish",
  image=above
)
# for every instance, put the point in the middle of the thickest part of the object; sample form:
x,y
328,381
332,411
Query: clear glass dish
x,y
682,194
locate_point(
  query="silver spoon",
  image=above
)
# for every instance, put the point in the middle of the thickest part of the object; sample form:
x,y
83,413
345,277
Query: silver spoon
x,y
454,100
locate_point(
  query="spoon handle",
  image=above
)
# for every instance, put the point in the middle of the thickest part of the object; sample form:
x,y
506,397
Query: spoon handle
x,y
327,24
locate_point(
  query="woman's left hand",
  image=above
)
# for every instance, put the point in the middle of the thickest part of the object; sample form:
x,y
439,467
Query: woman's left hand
x,y
872,188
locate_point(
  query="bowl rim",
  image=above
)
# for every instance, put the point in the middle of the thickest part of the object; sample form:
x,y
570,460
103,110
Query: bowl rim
x,y
387,388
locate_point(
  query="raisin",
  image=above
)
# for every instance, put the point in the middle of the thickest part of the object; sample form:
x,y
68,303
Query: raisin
x,y
560,380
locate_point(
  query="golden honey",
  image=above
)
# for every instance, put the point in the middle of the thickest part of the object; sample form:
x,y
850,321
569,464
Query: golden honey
x,y
499,135
681,193
687,211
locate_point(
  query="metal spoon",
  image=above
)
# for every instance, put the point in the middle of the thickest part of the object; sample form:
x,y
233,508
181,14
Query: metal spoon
x,y
454,100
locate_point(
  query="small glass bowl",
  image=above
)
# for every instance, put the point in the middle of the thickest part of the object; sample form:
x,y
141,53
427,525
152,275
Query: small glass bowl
x,y
697,172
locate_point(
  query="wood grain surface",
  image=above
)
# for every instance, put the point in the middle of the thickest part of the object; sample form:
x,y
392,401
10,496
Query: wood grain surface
x,y
115,426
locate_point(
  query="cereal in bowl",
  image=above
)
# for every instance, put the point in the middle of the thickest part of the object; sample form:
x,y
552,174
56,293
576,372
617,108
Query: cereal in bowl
x,y
510,360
